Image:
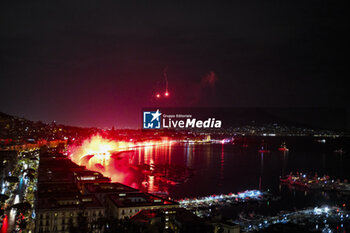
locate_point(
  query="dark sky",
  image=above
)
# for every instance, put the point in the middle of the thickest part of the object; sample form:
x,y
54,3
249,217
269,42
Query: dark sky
x,y
96,63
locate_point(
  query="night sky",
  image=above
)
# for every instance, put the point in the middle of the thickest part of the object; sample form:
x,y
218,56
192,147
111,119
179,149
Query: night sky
x,y
96,63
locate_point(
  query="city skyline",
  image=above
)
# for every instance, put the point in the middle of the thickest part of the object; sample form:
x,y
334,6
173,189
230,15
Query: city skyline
x,y
174,116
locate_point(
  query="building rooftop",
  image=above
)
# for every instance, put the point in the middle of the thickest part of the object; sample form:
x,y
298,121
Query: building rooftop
x,y
146,216
180,214
58,201
109,188
90,201
55,176
59,163
138,199
55,189
68,201
87,176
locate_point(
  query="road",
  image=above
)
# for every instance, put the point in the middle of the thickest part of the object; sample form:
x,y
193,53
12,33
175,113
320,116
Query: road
x,y
9,222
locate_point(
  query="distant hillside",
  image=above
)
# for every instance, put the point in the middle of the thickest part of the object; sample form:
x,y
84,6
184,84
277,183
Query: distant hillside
x,y
19,128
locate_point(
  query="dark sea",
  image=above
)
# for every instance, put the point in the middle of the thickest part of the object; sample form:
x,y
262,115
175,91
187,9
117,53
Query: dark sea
x,y
231,168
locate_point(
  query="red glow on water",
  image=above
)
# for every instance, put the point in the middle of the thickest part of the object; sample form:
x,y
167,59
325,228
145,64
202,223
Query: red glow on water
x,y
102,148
120,160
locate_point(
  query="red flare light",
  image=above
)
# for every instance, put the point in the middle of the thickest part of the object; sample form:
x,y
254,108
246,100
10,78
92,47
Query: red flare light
x,y
166,94
99,154
158,96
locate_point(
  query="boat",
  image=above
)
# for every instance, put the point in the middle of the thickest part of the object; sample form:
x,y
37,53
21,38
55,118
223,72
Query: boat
x,y
283,147
301,183
316,183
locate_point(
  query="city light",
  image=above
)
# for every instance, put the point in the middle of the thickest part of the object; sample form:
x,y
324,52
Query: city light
x,y
103,148
249,194
248,140
4,224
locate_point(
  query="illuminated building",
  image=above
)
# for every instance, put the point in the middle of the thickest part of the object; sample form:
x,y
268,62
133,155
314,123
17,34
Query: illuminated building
x,y
60,213
124,205
101,190
60,206
71,197
173,220
226,227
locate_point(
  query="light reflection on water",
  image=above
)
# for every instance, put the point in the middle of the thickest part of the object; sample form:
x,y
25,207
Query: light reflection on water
x,y
221,168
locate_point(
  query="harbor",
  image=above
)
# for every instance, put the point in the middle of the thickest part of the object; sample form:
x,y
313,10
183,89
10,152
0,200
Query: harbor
x,y
324,183
320,218
324,219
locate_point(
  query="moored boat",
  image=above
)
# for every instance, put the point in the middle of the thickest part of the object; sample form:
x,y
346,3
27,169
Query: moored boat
x,y
283,147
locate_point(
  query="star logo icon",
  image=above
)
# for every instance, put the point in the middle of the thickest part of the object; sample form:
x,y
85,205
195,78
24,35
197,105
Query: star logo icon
x,y
151,119
156,115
